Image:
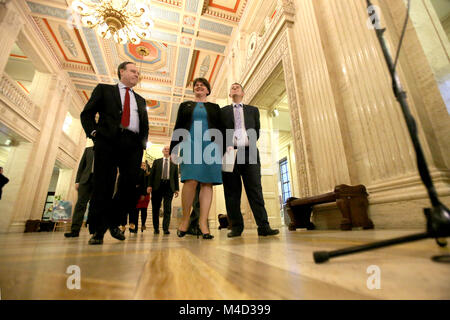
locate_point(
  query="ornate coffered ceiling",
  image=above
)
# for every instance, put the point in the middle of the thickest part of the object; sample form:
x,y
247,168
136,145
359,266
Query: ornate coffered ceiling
x,y
190,39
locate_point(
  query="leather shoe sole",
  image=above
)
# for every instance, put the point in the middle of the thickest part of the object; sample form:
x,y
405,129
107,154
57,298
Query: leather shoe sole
x,y
71,234
233,234
117,234
95,241
269,232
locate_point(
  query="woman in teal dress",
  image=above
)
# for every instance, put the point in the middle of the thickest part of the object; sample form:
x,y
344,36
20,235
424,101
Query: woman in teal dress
x,y
199,127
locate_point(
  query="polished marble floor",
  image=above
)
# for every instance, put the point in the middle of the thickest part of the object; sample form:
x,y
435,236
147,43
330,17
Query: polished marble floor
x,y
45,265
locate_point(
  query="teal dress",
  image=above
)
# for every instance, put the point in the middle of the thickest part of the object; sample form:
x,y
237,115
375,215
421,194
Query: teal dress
x,y
201,158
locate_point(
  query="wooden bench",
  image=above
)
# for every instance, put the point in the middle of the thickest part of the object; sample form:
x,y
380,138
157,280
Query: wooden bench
x,y
351,201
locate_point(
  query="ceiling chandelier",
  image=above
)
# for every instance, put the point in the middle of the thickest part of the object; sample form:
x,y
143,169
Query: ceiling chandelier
x,y
123,20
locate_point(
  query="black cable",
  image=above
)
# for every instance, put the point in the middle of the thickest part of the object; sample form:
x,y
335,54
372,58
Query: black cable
x,y
403,34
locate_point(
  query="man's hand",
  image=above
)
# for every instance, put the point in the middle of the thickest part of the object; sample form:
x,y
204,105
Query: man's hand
x,y
176,194
230,148
77,185
142,198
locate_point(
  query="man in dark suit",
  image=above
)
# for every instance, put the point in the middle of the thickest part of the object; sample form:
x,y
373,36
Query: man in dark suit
x,y
3,180
120,136
242,125
84,183
163,184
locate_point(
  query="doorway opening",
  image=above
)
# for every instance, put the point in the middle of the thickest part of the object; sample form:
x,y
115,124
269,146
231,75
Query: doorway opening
x,y
272,100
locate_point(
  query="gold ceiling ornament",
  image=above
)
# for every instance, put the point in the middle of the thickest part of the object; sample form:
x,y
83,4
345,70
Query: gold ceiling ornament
x,y
143,52
123,20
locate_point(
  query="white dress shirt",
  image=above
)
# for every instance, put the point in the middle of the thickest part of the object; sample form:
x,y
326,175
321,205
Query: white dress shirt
x,y
240,140
134,115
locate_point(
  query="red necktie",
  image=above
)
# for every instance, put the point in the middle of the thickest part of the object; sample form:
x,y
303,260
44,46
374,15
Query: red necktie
x,y
126,110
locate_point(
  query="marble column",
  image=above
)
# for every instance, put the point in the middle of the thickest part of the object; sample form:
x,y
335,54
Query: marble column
x,y
435,43
64,183
63,98
323,147
41,165
425,67
16,169
375,141
11,24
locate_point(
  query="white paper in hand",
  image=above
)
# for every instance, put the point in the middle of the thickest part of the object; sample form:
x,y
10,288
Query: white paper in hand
x,y
228,160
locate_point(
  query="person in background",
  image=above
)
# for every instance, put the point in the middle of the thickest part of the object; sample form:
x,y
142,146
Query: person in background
x,y
3,180
163,184
143,198
84,184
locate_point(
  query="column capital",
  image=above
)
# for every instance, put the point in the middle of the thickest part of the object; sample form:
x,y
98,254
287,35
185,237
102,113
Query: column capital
x,y
9,17
287,6
3,3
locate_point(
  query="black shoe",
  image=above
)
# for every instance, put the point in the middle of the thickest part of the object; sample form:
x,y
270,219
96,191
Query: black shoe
x,y
72,234
234,233
133,230
156,231
116,233
181,233
267,232
166,232
96,239
207,236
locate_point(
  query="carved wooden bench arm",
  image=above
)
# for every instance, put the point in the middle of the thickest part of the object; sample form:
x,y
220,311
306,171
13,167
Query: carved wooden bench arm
x,y
351,201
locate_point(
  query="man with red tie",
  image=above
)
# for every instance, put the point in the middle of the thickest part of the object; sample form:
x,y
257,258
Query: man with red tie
x,y
120,136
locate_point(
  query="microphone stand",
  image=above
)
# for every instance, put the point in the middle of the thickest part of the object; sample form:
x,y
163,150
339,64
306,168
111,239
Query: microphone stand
x,y
438,216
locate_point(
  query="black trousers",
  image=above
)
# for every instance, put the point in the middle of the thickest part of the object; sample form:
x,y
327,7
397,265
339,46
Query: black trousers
x,y
84,195
163,193
134,216
143,212
232,186
125,154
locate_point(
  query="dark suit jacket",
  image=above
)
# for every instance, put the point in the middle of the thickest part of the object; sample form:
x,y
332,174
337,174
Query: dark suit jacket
x,y
251,120
156,174
184,118
105,100
85,167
